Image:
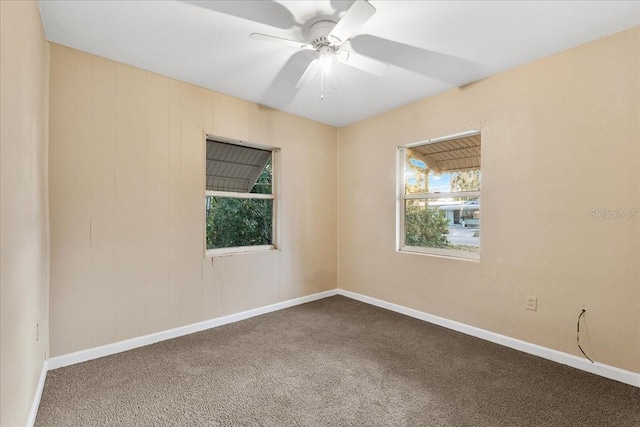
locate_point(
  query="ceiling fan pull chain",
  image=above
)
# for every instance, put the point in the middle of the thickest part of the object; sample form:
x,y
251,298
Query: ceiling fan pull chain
x,y
322,91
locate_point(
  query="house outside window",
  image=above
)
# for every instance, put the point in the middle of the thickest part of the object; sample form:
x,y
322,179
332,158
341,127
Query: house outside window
x,y
240,202
439,196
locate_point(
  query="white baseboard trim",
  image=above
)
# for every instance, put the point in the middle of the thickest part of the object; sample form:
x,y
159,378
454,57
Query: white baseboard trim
x,y
603,370
35,404
118,347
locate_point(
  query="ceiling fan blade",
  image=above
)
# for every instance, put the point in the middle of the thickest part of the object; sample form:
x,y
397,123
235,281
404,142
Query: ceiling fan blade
x,y
266,12
358,14
364,63
281,91
292,43
439,66
308,74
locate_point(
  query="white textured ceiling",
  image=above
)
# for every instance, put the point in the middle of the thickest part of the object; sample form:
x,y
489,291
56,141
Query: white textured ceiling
x,y
433,46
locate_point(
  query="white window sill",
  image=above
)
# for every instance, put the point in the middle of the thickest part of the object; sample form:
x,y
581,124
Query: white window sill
x,y
239,250
441,253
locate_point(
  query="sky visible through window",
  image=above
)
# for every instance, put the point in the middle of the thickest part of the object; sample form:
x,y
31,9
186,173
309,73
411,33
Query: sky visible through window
x,y
438,183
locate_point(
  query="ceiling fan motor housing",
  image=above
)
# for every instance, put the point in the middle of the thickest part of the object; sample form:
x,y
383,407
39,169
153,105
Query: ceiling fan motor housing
x,y
318,34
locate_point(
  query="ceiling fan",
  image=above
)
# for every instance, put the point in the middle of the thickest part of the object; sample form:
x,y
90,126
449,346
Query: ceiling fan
x,y
326,37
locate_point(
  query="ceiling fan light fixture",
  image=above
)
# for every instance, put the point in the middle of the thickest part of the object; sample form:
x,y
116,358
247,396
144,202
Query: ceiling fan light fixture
x,y
325,62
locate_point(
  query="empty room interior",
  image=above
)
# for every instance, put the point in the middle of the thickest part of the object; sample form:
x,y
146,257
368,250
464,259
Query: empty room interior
x,y
267,213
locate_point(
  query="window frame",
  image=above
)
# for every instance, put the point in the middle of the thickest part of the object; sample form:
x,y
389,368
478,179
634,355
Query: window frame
x,y
402,197
275,167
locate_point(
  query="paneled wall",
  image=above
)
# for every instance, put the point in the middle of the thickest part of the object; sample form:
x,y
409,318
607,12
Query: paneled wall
x,y
127,204
24,77
560,141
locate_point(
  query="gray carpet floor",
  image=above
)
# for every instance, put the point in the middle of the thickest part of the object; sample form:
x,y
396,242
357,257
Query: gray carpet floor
x,y
333,362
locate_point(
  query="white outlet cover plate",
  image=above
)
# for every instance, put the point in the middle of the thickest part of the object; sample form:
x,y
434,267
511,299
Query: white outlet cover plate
x,y
532,303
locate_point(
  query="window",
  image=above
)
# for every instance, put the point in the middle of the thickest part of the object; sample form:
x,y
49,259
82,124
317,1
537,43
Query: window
x,y
240,200
439,196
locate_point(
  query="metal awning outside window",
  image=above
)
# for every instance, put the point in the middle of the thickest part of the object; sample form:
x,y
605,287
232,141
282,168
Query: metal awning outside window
x,y
233,167
451,155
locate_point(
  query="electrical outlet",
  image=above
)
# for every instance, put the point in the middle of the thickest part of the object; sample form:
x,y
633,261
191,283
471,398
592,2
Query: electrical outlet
x,y
37,331
532,303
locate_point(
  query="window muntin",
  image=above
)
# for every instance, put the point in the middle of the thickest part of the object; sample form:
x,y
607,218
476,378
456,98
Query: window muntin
x,y
439,209
240,200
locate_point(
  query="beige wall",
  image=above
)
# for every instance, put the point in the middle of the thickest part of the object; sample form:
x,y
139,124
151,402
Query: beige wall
x,y
127,204
24,59
560,137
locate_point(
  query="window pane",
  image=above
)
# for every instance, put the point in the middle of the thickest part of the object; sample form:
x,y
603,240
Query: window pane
x,y
420,179
238,222
263,184
444,182
453,182
449,223
447,166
